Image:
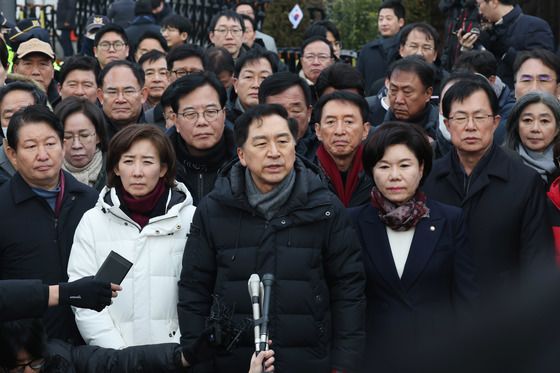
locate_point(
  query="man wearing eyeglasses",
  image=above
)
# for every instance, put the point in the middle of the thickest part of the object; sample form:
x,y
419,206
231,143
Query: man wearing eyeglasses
x,y
122,95
156,76
536,70
503,199
422,39
110,44
184,60
226,30
316,55
202,142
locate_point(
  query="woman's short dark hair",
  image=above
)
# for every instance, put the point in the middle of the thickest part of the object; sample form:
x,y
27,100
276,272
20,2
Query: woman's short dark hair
x,y
126,137
257,112
31,115
72,105
25,334
512,126
395,133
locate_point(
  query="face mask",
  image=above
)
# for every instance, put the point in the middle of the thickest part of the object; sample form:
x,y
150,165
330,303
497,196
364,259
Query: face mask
x,y
443,128
5,131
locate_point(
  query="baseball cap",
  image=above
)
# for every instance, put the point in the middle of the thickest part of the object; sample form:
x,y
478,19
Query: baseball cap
x,y
26,29
34,46
94,23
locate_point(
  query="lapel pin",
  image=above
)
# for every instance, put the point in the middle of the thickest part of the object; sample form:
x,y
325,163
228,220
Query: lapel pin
x,y
432,228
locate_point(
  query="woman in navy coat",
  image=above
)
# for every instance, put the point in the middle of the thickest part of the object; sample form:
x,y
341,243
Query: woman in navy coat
x,y
418,263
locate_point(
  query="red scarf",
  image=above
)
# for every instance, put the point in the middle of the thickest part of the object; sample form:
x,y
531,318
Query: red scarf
x,y
142,208
400,217
344,192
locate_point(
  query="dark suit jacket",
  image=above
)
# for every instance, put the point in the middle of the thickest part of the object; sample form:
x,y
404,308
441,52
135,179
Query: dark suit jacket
x,y
437,281
505,210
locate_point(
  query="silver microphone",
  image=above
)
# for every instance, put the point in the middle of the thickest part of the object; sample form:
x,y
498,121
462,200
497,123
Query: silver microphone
x,y
267,280
254,286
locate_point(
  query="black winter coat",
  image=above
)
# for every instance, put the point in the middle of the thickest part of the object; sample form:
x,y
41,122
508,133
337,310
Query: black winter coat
x,y
518,32
199,173
121,12
35,244
22,299
505,211
374,60
317,302
138,26
65,358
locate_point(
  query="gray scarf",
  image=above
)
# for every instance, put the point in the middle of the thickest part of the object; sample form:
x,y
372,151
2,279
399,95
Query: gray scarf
x,y
269,203
543,162
89,173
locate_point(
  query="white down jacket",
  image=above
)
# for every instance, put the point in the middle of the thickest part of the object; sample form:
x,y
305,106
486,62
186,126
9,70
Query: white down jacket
x,y
145,311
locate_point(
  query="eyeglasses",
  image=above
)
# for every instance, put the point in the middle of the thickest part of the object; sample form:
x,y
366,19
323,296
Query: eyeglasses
x,y
320,57
415,47
541,78
83,138
36,365
105,46
182,72
126,93
192,116
224,31
462,119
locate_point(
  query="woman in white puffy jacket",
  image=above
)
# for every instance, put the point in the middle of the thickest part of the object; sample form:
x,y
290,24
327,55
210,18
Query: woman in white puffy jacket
x,y
144,215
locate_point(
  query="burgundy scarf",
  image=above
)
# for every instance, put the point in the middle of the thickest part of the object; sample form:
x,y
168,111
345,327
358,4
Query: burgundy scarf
x,y
344,192
141,208
400,217
60,196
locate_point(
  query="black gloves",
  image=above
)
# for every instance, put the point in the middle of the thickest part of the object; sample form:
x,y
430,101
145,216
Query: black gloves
x,y
85,293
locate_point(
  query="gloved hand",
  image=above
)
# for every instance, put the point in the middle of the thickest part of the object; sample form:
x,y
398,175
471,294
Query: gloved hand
x,y
85,293
202,349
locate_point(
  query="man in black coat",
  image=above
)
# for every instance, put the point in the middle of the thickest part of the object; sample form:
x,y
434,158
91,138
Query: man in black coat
x,y
271,213
503,200
376,56
341,128
40,208
202,141
510,32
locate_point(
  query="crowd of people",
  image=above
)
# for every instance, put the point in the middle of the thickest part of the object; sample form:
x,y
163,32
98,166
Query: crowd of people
x,y
391,200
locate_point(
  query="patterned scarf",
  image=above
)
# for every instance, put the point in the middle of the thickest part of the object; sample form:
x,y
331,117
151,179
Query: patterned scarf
x,y
400,217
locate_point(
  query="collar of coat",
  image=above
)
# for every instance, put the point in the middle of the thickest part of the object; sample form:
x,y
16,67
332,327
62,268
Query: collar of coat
x,y
497,164
310,190
21,191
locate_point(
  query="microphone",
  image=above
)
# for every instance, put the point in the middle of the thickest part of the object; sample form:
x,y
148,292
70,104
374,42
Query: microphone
x,y
254,286
267,280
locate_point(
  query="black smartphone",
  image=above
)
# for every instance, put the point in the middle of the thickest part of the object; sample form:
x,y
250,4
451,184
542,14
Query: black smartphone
x,y
114,269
